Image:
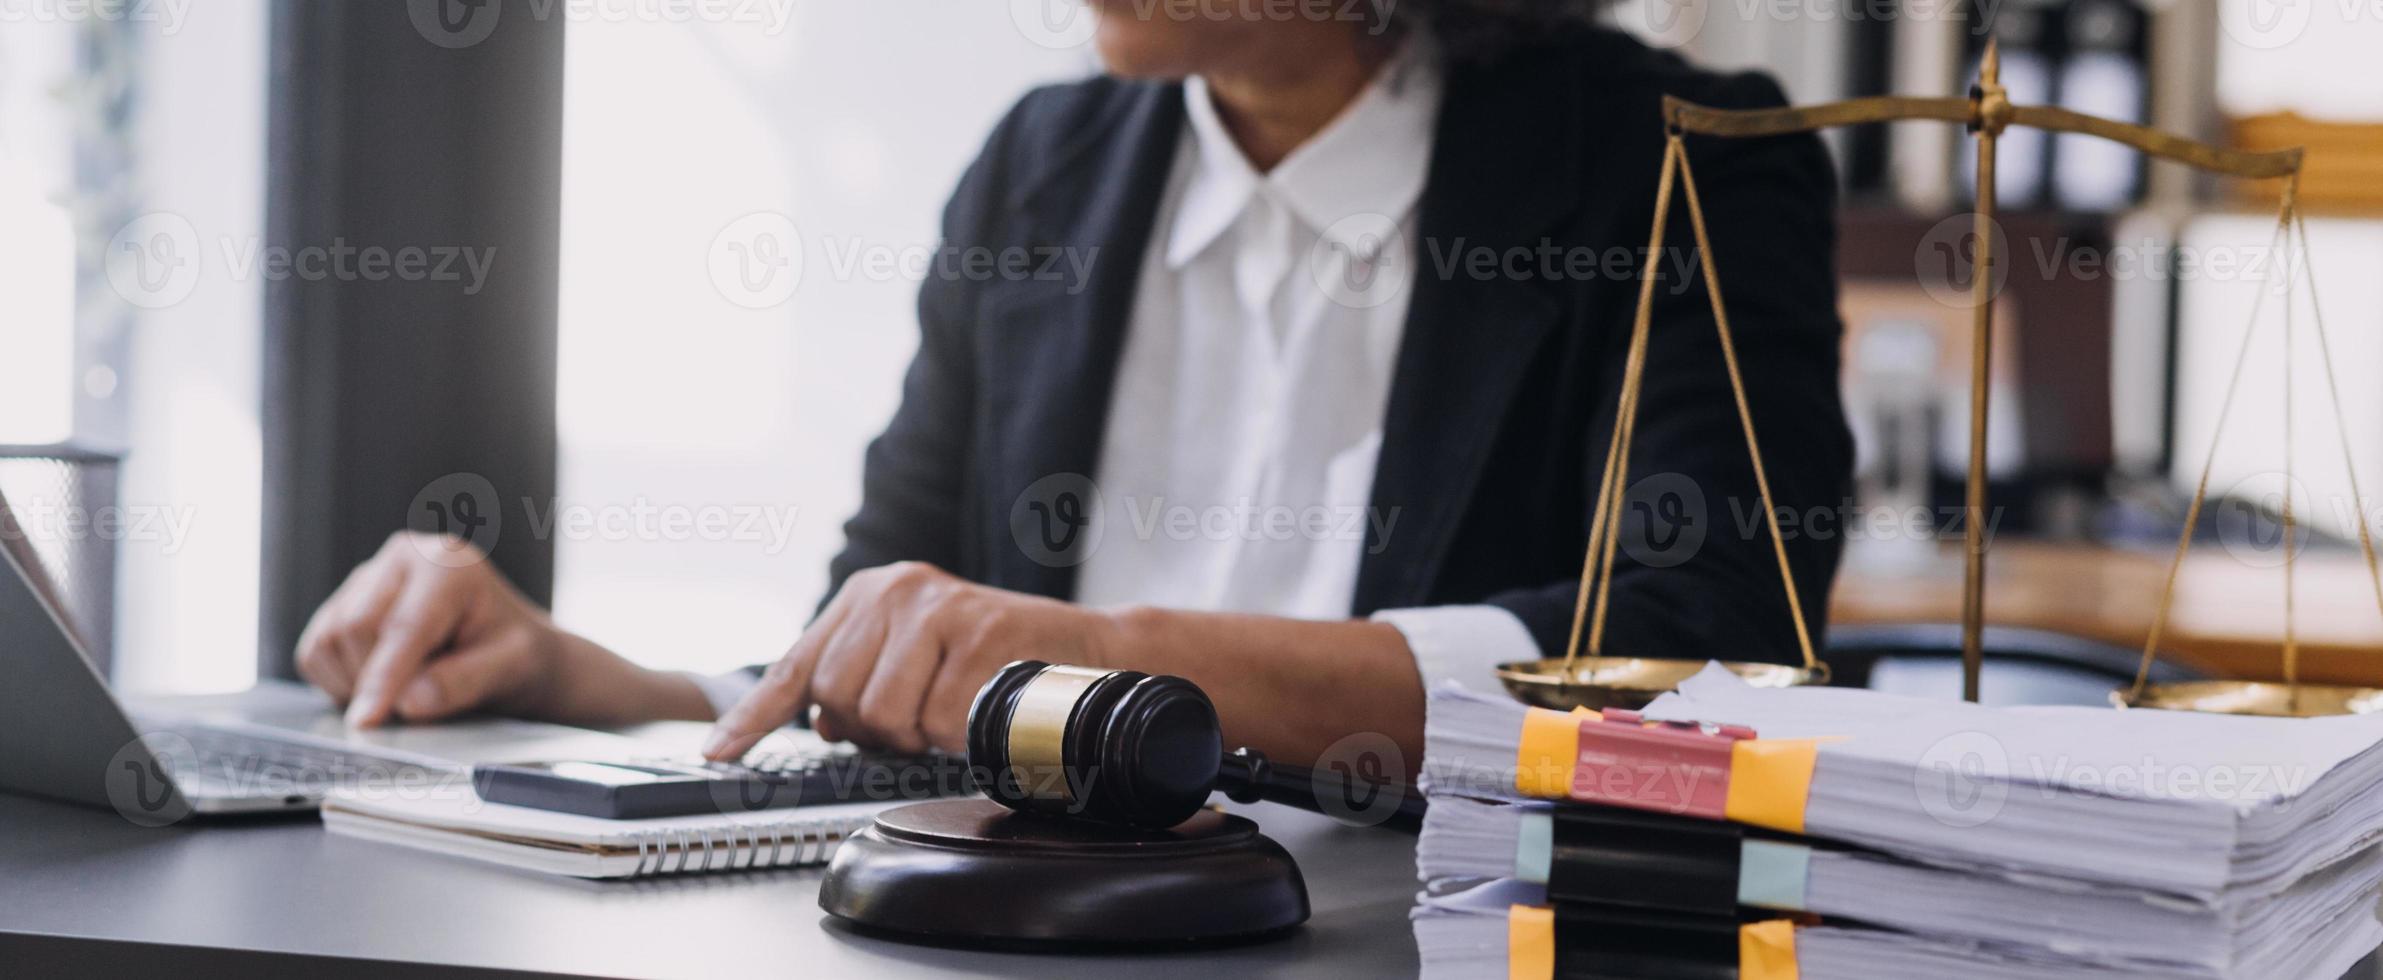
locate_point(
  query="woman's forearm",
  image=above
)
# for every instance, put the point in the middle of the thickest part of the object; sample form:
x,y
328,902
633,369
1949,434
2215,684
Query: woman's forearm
x,y
1289,688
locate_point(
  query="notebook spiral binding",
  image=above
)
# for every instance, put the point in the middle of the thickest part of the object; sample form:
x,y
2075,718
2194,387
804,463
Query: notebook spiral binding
x,y
685,850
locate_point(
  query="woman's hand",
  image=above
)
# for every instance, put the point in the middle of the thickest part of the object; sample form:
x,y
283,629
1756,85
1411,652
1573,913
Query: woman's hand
x,y
427,628
896,659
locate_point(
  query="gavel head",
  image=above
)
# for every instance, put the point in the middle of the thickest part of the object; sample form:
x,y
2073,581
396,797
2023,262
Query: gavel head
x,y
1118,746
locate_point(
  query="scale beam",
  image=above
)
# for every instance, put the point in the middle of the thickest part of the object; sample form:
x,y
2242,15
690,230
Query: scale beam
x,y
1690,117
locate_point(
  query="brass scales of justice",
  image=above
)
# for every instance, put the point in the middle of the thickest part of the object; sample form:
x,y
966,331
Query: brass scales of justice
x,y
1597,681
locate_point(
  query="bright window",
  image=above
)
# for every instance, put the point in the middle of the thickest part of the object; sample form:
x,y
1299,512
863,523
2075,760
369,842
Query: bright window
x,y
739,202
132,161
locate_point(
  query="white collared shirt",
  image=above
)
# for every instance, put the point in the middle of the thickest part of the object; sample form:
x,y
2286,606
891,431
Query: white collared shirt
x,y
1237,469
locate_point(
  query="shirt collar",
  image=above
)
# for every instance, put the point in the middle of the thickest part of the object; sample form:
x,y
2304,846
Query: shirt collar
x,y
1371,160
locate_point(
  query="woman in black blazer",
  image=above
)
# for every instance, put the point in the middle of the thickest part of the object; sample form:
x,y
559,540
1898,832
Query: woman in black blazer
x,y
1527,232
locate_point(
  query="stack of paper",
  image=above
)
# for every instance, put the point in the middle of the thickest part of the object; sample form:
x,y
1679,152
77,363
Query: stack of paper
x,y
1920,835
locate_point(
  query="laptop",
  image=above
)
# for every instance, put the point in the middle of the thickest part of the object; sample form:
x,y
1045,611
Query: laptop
x,y
279,747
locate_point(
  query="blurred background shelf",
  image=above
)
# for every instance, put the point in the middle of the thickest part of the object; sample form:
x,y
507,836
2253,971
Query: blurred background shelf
x,y
2228,618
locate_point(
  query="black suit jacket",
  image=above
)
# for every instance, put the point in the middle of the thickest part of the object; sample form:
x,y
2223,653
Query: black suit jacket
x,y
1505,384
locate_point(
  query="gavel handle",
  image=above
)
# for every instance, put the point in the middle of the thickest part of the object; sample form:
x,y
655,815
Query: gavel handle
x,y
1246,776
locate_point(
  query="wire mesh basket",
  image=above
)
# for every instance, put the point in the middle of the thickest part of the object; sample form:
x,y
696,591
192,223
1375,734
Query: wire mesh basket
x,y
63,502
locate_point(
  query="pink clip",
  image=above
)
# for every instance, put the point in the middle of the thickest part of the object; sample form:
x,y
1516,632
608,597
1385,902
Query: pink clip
x,y
1666,767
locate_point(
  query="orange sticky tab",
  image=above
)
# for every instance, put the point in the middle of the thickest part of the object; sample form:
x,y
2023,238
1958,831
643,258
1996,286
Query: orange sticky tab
x,y
1767,950
1531,943
1543,759
1770,779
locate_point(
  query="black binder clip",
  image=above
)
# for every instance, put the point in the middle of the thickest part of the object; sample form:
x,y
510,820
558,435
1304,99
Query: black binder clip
x,y
1613,944
1633,859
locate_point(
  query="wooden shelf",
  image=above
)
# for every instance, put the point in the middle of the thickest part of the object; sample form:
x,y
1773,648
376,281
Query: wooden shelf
x,y
2228,620
2342,173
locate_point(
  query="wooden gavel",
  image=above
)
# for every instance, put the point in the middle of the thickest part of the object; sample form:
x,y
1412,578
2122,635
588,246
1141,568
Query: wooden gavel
x,y
1125,747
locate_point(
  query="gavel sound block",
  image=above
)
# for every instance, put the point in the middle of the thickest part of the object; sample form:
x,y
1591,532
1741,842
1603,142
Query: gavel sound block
x,y
1092,832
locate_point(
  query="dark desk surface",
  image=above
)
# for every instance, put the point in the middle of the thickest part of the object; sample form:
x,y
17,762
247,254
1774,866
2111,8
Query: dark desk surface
x,y
85,890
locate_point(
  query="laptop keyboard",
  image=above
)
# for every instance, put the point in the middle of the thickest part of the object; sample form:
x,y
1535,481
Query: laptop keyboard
x,y
223,760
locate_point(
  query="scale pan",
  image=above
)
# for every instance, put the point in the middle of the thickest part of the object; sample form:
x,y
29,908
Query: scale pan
x,y
1630,683
2263,698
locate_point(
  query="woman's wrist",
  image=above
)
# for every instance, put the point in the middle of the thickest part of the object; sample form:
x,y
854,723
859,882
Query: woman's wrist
x,y
591,685
1129,638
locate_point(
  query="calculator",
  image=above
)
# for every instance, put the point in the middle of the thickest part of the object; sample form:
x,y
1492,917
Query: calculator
x,y
668,788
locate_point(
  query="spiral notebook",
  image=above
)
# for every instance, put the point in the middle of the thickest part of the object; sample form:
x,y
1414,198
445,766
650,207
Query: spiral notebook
x,y
452,820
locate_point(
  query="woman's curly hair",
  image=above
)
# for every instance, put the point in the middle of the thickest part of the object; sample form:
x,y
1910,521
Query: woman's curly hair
x,y
1484,28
